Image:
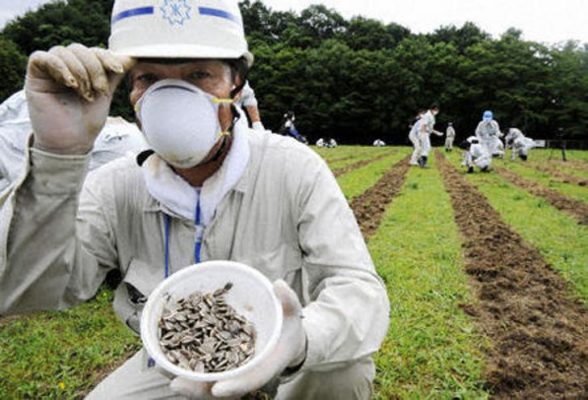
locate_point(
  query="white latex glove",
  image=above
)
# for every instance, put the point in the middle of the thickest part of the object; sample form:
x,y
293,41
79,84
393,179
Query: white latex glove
x,y
290,351
258,126
69,90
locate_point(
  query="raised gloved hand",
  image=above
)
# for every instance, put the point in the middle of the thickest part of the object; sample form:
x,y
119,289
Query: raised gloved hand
x,y
290,351
258,126
69,90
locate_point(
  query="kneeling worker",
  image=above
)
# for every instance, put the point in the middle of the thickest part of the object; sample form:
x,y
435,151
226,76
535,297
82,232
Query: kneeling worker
x,y
209,188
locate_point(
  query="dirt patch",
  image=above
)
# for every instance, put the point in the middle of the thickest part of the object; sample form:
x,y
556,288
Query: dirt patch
x,y
7,320
578,165
359,164
369,207
560,176
576,208
539,333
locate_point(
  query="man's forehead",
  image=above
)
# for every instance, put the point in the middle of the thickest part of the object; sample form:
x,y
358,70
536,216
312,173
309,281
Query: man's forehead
x,y
179,62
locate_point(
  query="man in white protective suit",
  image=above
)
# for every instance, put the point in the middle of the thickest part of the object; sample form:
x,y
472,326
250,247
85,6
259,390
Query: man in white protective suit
x,y
117,139
426,128
519,143
449,137
413,136
208,188
247,101
475,155
488,134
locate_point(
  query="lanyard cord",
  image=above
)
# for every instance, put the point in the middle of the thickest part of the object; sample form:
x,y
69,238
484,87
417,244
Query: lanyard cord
x,y
197,245
166,245
199,232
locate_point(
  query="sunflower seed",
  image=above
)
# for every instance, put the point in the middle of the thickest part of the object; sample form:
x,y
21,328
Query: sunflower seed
x,y
203,333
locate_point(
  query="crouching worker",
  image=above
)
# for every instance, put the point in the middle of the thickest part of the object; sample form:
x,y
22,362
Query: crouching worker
x,y
519,143
209,188
475,155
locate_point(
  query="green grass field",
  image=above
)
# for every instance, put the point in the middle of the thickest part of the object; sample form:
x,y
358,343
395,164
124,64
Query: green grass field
x,y
433,350
559,238
358,181
60,355
544,178
555,155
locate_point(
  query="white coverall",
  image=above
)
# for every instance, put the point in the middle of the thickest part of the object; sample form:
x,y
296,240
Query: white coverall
x,y
449,138
247,97
117,138
61,232
248,102
520,143
426,128
413,136
488,132
477,155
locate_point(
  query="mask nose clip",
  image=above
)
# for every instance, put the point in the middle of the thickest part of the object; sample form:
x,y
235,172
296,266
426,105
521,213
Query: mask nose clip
x,y
180,121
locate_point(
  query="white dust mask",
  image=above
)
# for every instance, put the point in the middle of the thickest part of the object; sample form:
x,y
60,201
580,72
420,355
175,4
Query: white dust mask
x,y
180,121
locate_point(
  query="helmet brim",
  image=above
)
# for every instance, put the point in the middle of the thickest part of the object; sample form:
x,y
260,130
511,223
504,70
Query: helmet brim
x,y
183,51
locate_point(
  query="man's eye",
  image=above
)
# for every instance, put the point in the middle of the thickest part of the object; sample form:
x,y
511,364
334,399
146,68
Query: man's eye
x,y
146,78
197,75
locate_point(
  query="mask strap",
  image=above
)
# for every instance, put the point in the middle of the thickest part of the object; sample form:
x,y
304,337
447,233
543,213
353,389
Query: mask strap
x,y
217,100
240,87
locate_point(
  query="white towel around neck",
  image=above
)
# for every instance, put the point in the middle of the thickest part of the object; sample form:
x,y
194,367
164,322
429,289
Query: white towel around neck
x,y
177,197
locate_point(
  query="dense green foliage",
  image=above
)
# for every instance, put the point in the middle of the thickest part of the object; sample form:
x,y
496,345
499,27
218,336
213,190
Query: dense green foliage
x,y
360,79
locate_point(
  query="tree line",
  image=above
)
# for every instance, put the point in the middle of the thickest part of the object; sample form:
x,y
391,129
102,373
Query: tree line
x,y
358,79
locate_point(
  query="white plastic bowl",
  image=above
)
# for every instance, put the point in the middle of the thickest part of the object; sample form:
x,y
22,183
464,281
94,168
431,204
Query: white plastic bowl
x,y
251,296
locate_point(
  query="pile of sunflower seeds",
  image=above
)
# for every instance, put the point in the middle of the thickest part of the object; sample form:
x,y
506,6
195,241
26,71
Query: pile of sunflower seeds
x,y
203,333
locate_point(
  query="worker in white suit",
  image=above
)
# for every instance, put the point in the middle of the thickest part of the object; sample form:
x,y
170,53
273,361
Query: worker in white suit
x,y
426,128
475,155
519,143
449,137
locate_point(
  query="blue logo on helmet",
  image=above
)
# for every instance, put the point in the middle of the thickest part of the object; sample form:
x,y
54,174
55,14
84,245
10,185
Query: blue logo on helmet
x,y
176,12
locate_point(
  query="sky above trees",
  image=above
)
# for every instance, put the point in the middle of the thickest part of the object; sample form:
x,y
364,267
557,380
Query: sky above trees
x,y
548,21
540,20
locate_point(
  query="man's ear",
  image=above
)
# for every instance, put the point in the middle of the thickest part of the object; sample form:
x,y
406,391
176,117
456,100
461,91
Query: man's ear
x,y
237,86
238,81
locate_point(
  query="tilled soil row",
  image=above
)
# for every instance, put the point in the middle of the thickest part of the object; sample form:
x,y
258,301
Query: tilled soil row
x,y
576,208
539,334
561,176
369,207
338,159
359,164
576,164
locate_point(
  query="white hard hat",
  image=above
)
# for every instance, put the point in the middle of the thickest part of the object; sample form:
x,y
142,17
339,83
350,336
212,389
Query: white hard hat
x,y
178,29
